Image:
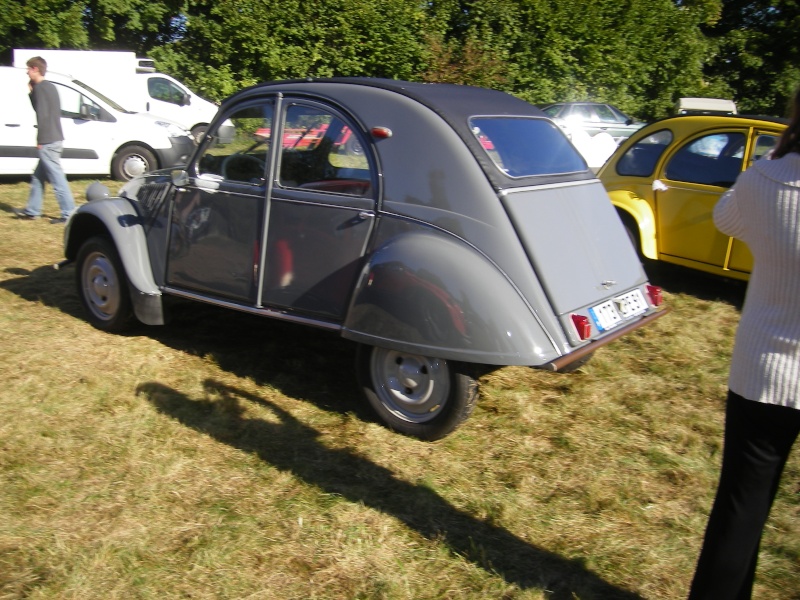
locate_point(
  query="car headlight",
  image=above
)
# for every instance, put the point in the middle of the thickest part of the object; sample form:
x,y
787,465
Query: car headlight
x,y
173,130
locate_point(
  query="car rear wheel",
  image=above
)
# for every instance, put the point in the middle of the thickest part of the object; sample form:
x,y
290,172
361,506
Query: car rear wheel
x,y
102,286
416,395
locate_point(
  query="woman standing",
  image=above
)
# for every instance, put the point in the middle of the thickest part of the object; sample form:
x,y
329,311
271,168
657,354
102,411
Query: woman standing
x,y
762,418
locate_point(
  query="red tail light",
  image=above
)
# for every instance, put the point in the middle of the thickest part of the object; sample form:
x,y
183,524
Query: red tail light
x,y
583,326
381,132
656,297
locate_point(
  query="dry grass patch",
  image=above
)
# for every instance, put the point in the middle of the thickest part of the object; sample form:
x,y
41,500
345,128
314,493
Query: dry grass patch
x,y
229,457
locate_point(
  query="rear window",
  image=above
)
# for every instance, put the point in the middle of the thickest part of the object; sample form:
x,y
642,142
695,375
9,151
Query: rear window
x,y
640,159
522,146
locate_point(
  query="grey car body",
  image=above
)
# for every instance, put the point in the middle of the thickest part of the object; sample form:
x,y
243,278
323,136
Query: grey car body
x,y
443,228
593,118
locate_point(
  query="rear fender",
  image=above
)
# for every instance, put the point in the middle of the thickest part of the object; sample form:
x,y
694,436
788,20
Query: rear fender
x,y
117,218
641,213
434,295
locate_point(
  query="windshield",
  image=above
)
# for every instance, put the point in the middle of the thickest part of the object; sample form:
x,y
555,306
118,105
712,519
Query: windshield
x,y
102,97
526,146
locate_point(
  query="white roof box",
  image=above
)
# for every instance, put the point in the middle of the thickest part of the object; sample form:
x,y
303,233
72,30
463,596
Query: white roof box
x,y
706,106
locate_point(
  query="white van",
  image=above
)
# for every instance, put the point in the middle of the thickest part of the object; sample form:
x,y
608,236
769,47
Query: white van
x,y
130,81
101,137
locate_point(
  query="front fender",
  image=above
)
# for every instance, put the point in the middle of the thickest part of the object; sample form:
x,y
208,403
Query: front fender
x,y
642,213
117,218
430,294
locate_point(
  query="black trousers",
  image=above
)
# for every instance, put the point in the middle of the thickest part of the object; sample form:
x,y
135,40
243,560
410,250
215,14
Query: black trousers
x,y
758,439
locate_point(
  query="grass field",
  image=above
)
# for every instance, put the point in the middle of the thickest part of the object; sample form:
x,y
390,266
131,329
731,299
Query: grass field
x,y
229,457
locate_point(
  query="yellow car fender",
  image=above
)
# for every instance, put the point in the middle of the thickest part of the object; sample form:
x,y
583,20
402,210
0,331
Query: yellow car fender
x,y
639,214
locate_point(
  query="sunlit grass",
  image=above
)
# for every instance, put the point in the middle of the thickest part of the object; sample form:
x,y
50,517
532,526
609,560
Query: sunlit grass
x,y
224,456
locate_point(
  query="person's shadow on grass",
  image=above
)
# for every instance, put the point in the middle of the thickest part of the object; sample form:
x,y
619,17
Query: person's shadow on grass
x,y
292,446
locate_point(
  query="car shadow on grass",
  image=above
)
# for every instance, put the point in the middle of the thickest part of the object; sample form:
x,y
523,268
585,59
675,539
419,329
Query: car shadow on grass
x,y
46,285
705,286
294,447
306,363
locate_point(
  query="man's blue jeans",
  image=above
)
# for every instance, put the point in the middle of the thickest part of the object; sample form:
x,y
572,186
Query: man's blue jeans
x,y
49,169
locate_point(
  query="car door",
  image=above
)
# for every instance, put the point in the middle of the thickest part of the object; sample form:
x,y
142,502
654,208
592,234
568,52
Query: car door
x,y
166,99
18,152
218,215
693,178
739,258
322,210
610,121
90,133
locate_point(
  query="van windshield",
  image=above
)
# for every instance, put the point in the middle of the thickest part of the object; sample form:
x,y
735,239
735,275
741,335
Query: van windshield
x,y
526,146
102,97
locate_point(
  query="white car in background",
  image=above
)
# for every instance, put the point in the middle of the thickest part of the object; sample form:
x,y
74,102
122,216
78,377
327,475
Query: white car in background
x,y
101,137
595,128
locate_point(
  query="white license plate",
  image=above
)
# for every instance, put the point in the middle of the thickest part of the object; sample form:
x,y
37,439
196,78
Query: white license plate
x,y
611,313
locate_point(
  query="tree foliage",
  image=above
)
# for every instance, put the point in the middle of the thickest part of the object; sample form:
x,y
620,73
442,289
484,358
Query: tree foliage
x,y
639,54
136,25
757,56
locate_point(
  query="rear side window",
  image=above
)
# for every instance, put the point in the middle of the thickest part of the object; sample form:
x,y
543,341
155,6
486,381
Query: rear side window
x,y
321,151
522,147
765,143
641,158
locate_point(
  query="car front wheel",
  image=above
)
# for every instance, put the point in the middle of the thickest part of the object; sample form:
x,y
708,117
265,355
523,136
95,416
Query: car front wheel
x,y
419,396
102,286
132,161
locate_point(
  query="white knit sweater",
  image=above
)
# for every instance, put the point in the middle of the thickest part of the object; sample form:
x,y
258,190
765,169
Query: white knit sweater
x,y
763,210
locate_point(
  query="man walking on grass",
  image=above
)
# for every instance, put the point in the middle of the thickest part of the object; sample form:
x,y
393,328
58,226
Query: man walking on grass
x,y
50,142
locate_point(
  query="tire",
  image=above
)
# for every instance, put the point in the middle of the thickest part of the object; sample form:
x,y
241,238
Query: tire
x,y
419,396
198,131
632,229
131,161
102,285
634,238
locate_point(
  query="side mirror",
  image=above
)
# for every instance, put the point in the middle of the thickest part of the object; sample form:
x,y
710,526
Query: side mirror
x,y
89,112
186,100
179,178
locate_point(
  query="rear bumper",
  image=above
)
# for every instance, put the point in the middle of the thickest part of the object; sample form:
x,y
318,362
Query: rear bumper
x,y
567,359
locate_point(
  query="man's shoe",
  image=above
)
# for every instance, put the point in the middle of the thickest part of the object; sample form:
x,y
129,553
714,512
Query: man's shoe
x,y
58,221
21,214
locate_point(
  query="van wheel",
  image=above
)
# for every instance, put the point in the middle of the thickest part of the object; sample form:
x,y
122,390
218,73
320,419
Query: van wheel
x,y
419,396
198,131
102,286
132,161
